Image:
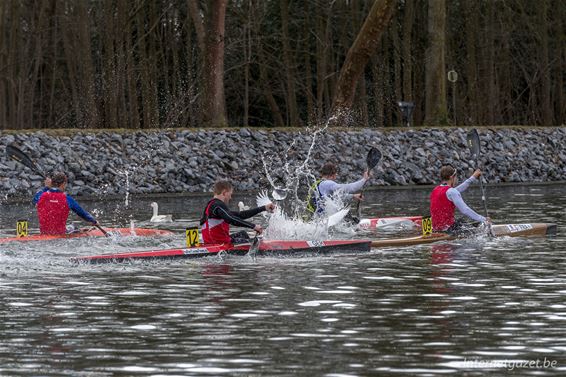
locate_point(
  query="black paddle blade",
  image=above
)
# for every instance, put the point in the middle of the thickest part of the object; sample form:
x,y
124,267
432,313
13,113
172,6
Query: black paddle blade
x,y
374,155
16,154
474,143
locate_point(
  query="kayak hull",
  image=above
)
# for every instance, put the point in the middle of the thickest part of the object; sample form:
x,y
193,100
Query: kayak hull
x,y
266,248
140,232
384,222
502,230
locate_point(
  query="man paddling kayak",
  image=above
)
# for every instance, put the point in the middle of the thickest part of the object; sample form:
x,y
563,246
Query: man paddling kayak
x,y
217,217
445,198
327,186
53,205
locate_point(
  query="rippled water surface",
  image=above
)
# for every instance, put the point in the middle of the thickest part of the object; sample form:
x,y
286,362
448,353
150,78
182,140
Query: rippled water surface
x,y
467,307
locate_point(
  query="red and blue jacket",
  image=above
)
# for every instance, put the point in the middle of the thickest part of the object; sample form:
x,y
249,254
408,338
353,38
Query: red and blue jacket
x,y
53,206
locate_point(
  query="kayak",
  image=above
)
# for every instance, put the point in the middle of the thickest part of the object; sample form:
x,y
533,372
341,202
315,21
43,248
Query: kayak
x,y
266,248
90,232
502,230
283,247
384,222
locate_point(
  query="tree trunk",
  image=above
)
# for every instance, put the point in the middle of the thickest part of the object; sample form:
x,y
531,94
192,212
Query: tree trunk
x,y
293,118
435,109
408,21
359,54
214,109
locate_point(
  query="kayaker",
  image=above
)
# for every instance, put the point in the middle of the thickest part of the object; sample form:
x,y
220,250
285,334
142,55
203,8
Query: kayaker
x,y
217,217
445,198
53,205
327,186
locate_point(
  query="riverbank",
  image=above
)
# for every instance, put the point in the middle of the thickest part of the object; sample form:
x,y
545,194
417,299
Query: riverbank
x,y
112,162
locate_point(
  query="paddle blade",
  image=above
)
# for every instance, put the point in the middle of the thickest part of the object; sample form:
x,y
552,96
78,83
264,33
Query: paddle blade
x,y
254,247
373,157
16,154
335,219
474,143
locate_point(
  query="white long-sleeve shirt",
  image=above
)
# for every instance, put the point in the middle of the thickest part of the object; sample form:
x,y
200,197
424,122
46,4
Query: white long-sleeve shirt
x,y
454,195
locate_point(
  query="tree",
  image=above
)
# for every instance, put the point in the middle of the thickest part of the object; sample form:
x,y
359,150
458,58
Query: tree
x,y
435,109
359,54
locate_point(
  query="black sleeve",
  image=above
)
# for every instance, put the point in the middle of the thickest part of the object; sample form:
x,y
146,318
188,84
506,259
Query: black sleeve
x,y
219,209
249,213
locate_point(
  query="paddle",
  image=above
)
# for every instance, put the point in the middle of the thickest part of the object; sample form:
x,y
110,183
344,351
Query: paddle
x,y
372,159
16,154
254,247
474,145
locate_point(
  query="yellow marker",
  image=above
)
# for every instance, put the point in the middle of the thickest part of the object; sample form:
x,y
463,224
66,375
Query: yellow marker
x,y
427,226
193,237
22,228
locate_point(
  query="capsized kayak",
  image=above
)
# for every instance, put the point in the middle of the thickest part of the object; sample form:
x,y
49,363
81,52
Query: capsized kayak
x,y
384,222
91,232
502,230
266,248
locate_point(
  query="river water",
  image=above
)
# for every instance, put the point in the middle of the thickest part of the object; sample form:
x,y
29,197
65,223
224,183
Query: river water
x,y
468,307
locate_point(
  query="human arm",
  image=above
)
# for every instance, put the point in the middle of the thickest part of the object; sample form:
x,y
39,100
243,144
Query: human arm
x,y
76,208
464,185
38,195
219,209
455,197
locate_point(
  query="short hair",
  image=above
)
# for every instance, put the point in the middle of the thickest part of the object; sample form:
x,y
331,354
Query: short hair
x,y
58,178
328,169
221,186
447,172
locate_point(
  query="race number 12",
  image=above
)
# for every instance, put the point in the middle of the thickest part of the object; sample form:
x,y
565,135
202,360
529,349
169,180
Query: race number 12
x,y
192,236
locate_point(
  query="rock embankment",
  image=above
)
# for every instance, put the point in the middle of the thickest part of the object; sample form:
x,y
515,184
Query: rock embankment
x,y
173,161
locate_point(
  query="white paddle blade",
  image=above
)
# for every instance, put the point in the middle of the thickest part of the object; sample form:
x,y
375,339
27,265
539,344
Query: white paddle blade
x,y
335,219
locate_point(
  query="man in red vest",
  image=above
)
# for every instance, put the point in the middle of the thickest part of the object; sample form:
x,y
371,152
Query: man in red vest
x,y
53,206
445,198
217,218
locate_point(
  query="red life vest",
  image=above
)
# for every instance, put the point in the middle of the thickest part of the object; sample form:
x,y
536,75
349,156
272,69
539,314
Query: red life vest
x,y
215,230
441,208
53,211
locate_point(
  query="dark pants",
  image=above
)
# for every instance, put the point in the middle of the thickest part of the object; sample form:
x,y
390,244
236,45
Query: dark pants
x,y
240,237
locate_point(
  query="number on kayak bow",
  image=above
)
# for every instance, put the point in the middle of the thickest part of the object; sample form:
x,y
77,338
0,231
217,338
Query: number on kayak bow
x,y
193,237
427,226
22,228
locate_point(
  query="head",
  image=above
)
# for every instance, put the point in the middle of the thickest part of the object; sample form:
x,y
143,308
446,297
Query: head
x,y
448,175
223,190
329,170
59,180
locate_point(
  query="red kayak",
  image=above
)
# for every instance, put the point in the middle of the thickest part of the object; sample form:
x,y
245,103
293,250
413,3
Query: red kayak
x,y
267,247
90,232
384,222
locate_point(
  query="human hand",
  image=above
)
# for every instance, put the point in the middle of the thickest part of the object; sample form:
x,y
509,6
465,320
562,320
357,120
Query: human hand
x,y
258,229
477,174
366,175
270,207
358,197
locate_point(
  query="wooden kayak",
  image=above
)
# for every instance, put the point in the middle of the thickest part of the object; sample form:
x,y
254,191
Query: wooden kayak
x,y
502,230
385,222
90,232
266,248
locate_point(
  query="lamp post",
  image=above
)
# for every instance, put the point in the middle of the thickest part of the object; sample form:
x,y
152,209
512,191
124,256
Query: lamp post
x,y
406,111
453,77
